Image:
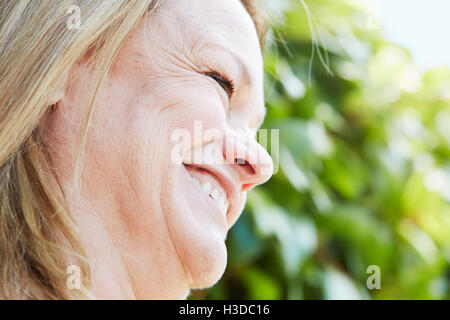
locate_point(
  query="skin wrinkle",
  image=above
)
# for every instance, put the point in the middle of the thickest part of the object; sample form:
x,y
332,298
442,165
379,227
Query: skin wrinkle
x,y
186,274
185,269
162,233
106,185
165,220
167,225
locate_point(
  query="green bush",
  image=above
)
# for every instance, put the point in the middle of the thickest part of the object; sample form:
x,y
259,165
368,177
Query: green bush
x,y
364,170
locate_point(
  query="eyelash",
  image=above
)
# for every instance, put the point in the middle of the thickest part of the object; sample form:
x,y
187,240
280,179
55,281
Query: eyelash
x,y
225,82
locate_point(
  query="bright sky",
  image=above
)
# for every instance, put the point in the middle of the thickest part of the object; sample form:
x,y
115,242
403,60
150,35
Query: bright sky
x,y
422,26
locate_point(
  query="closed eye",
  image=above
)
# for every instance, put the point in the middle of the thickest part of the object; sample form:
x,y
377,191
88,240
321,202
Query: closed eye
x,y
226,83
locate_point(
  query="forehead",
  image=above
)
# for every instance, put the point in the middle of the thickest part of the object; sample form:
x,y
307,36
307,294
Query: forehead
x,y
212,34
196,13
200,24
215,31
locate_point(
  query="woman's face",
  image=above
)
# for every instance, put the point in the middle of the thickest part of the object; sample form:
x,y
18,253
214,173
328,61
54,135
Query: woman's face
x,y
171,149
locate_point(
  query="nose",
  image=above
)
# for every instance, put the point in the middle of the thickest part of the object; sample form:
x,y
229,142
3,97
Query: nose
x,y
251,162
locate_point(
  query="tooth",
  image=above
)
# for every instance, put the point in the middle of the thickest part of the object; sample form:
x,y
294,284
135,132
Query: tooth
x,y
196,181
215,194
206,187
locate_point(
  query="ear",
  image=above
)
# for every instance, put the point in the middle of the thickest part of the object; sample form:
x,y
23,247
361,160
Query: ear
x,y
59,91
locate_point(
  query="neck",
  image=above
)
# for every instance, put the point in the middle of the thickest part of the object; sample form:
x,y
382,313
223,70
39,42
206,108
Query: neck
x,y
125,237
127,262
109,275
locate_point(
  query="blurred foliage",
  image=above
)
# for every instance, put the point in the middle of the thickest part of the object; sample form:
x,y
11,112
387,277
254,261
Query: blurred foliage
x,y
364,167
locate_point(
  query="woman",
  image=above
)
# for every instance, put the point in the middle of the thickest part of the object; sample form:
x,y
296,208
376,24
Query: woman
x,y
88,132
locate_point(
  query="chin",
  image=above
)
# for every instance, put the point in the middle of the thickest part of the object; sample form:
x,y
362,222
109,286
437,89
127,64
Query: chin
x,y
201,251
200,245
197,225
208,267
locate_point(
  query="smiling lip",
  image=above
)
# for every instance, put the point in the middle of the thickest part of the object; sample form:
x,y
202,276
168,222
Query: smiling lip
x,y
224,180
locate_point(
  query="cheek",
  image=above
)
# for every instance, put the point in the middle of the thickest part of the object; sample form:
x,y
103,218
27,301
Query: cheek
x,y
187,113
196,233
134,129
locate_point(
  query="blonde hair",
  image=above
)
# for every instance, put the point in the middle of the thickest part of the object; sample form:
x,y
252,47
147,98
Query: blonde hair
x,y
38,238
